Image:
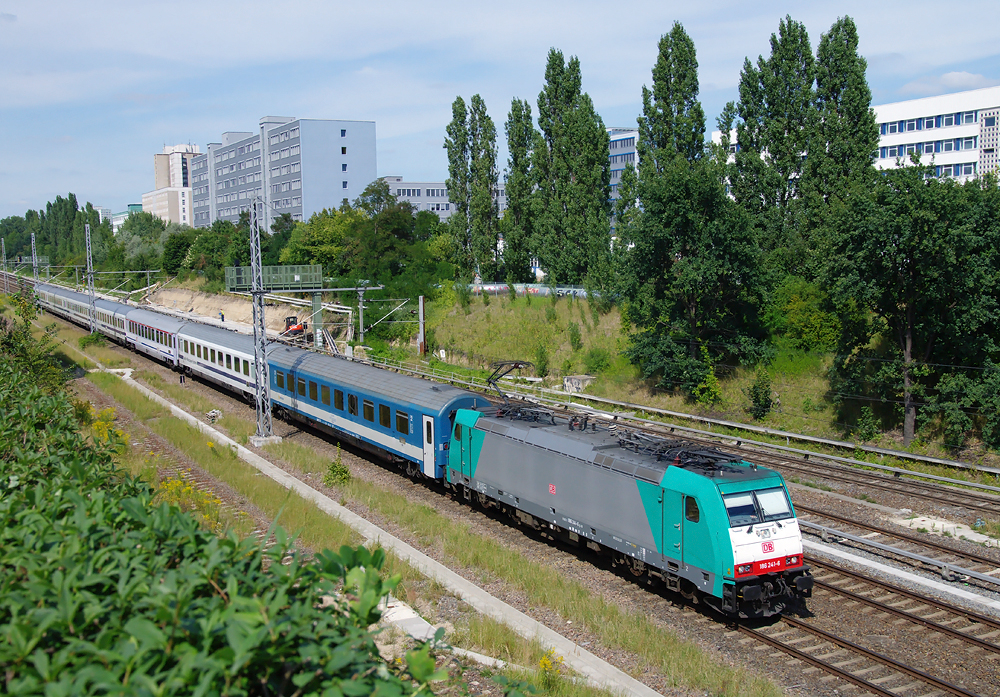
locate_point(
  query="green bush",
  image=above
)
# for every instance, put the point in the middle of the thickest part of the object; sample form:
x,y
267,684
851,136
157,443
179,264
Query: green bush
x,y
541,361
104,592
867,427
597,360
575,340
337,473
550,314
92,340
759,394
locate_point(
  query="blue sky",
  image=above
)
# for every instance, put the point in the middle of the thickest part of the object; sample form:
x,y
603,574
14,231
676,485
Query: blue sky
x,y
89,91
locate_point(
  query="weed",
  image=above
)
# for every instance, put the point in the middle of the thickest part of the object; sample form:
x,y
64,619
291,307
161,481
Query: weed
x,y
759,394
550,670
92,340
597,360
337,473
541,361
550,314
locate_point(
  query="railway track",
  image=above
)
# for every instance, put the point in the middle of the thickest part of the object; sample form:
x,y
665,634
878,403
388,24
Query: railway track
x,y
969,560
850,662
972,628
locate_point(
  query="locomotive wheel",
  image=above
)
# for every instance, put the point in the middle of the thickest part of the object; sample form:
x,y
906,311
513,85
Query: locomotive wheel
x,y
411,468
482,499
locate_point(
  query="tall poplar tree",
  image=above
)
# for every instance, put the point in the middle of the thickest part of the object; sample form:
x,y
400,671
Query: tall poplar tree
x,y
516,224
688,268
459,191
842,149
777,119
483,211
572,176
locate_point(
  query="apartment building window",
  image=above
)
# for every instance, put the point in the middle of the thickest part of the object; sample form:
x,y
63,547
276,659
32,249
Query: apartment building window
x,y
345,185
990,122
343,132
343,167
343,150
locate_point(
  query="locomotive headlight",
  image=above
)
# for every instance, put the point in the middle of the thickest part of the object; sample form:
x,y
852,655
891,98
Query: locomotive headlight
x,y
792,560
743,569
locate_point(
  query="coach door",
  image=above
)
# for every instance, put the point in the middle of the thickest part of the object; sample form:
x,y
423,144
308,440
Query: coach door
x,y
429,466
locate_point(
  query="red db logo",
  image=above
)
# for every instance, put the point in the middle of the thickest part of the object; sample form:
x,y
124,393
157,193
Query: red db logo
x,y
767,546
552,489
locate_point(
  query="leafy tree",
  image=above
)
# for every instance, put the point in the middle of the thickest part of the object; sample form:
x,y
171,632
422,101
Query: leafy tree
x,y
21,351
688,263
572,177
919,255
843,144
175,249
458,183
483,210
777,119
281,231
516,224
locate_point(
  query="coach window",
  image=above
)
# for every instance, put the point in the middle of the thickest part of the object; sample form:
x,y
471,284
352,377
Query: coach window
x,y
279,379
220,359
213,355
369,410
312,390
246,367
402,422
384,416
324,393
229,362
186,346
197,348
302,387
691,511
352,404
338,399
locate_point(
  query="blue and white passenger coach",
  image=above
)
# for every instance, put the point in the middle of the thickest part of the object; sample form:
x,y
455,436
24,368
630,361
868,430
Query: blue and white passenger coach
x,y
383,412
219,355
153,334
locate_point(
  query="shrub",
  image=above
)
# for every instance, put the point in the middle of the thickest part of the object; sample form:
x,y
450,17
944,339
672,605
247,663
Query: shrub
x,y
597,360
541,361
550,314
92,340
575,340
759,394
337,473
867,427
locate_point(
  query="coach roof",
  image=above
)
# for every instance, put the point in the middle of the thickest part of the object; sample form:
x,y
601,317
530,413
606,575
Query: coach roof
x,y
155,320
217,337
84,299
368,380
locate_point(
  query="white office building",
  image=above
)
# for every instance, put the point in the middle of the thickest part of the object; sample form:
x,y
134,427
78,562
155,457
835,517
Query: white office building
x,y
296,166
621,153
957,133
433,196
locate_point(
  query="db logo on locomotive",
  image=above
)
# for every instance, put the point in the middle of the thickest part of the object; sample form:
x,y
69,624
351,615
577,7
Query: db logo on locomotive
x,y
767,547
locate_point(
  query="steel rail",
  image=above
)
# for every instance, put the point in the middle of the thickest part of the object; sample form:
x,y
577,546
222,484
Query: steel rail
x,y
879,658
970,615
985,561
909,617
817,663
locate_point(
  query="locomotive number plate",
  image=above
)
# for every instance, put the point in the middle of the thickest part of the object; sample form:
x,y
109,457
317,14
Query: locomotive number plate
x,y
766,547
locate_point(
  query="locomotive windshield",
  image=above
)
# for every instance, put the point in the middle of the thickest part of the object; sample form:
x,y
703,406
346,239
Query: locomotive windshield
x,y
759,506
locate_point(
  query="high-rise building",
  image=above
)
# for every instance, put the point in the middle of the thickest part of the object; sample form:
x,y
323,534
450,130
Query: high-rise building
x,y
621,153
296,166
957,132
171,199
433,196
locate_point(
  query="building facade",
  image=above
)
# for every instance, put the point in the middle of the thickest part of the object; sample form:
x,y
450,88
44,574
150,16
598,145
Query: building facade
x,y
433,196
296,166
956,133
621,153
171,199
118,219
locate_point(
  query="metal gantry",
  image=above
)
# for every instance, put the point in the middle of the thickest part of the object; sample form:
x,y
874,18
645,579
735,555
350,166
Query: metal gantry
x,y
264,424
90,282
34,258
3,249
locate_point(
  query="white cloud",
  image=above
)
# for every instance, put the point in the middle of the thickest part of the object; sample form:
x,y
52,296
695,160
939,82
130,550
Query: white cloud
x,y
949,82
7,17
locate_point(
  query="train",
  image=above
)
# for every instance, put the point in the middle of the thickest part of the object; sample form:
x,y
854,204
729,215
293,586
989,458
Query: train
x,y
707,524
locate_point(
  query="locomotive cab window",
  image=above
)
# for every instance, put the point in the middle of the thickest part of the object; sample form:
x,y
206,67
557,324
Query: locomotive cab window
x,y
691,511
338,400
369,410
352,404
402,422
384,416
324,394
761,506
312,390
279,379
458,431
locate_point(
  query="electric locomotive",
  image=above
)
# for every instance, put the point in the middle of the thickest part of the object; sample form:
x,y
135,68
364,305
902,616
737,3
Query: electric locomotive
x,y
706,523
